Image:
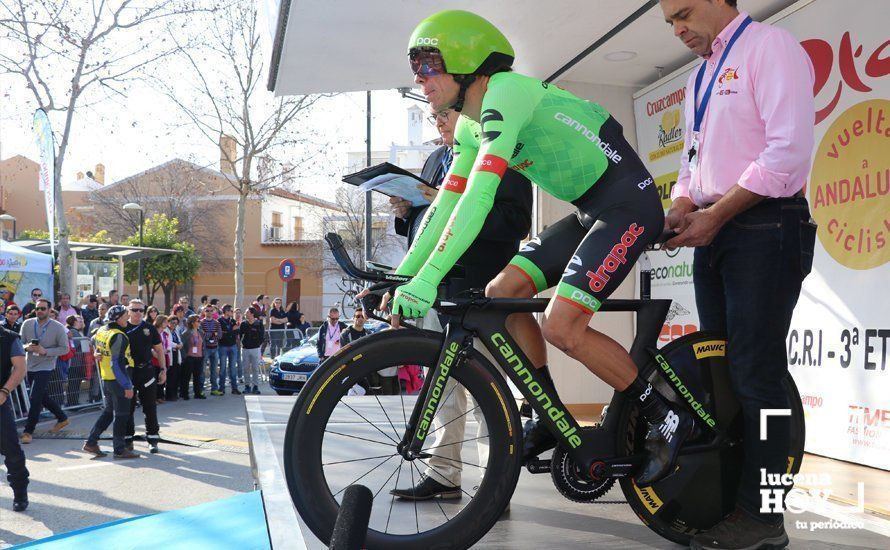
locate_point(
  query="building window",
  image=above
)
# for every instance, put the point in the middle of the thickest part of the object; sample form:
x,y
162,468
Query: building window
x,y
298,228
276,219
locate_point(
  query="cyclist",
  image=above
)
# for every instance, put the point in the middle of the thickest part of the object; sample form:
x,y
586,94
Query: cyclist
x,y
572,149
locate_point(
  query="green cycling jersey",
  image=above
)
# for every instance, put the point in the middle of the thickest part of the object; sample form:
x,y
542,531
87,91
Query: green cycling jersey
x,y
543,131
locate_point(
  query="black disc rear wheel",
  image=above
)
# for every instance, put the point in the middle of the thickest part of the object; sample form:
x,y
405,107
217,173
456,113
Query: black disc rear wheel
x,y
703,490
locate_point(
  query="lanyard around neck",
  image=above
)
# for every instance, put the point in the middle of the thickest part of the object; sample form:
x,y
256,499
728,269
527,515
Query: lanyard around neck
x,y
703,107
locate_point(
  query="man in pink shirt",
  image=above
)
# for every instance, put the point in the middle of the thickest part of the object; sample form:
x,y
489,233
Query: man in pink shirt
x,y
739,201
65,308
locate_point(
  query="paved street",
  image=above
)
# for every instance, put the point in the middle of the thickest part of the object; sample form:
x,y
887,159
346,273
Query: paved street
x,y
70,490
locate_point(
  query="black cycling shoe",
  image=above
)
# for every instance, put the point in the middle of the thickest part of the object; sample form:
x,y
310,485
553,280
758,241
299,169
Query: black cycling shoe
x,y
663,443
536,439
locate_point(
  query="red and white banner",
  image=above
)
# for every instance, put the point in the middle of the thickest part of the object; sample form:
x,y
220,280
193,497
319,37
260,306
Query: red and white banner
x,y
840,333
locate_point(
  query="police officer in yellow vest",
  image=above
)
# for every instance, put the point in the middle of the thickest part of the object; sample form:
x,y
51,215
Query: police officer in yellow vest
x,y
113,351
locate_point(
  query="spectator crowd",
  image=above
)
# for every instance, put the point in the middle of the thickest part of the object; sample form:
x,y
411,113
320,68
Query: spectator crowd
x,y
186,350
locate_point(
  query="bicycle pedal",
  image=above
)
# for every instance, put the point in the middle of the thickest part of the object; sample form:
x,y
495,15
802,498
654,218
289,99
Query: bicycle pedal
x,y
538,466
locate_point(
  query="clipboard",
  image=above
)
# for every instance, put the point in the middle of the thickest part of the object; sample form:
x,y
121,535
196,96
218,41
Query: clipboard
x,y
390,180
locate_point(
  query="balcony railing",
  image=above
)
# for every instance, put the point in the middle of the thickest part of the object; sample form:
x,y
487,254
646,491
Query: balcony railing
x,y
275,235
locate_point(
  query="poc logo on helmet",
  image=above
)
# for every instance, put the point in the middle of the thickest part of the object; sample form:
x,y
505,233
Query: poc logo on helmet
x,y
427,42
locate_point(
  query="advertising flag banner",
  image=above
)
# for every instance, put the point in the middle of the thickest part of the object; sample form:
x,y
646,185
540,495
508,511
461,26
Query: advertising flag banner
x,y
43,134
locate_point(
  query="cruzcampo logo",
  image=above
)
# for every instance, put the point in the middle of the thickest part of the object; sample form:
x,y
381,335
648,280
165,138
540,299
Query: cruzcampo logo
x,y
438,387
555,413
684,392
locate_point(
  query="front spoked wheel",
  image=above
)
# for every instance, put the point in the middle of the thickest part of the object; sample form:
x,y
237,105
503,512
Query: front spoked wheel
x,y
336,438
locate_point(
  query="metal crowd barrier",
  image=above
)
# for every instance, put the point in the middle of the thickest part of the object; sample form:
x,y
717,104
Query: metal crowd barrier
x,y
74,385
279,341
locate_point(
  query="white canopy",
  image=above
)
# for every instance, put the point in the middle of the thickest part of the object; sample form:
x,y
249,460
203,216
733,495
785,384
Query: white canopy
x,y
357,45
20,259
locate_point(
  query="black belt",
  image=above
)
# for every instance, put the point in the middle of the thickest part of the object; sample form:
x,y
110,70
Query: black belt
x,y
770,200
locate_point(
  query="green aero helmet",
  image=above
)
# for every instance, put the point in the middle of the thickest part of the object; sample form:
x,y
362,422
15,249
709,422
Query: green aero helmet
x,y
468,43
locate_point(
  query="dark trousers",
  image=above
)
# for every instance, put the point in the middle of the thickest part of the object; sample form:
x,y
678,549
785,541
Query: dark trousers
x,y
116,411
191,371
172,386
747,282
145,385
160,389
39,385
13,456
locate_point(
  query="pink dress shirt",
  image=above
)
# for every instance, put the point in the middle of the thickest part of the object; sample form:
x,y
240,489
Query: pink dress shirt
x,y
758,129
65,312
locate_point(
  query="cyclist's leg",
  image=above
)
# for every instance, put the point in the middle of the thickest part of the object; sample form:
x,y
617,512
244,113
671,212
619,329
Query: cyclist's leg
x,y
604,258
538,266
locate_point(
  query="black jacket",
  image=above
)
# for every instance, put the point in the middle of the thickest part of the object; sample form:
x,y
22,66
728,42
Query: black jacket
x,y
322,336
252,334
507,224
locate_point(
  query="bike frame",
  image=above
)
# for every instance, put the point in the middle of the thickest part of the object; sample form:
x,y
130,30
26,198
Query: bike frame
x,y
484,319
591,449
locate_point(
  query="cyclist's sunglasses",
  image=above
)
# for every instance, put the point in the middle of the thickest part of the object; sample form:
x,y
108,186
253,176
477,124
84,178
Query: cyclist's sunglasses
x,y
426,63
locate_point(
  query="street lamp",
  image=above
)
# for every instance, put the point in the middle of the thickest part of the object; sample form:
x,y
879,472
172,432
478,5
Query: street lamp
x,y
9,218
134,206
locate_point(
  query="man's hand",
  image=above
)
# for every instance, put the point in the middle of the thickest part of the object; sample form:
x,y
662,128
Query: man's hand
x,y
429,193
162,378
701,228
675,220
414,299
128,393
36,349
2,398
400,207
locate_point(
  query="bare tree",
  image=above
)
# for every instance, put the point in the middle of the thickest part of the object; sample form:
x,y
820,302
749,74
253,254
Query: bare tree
x,y
231,108
175,189
65,49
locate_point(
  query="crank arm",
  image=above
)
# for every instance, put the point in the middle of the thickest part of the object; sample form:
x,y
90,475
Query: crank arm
x,y
538,466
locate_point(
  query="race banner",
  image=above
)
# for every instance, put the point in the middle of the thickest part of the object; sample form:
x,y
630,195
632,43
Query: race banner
x,y
43,134
840,333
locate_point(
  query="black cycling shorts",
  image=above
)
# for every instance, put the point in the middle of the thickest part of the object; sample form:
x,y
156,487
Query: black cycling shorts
x,y
590,252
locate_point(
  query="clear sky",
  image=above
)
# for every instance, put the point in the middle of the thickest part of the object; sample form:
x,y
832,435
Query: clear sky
x,y
145,129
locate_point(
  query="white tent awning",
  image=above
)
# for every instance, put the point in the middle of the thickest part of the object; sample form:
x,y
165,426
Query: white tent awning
x,y
356,45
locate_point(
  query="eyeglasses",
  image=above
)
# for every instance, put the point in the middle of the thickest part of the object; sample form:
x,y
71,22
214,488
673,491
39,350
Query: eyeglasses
x,y
426,63
435,118
40,309
37,295
134,310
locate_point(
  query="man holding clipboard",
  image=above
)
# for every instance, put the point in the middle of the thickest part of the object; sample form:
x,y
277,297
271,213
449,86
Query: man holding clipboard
x,y
507,224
